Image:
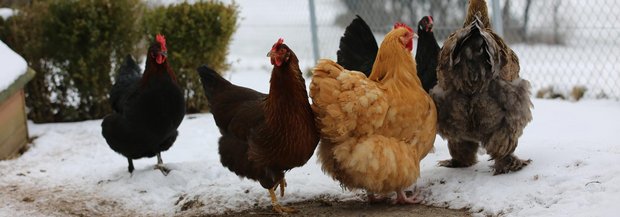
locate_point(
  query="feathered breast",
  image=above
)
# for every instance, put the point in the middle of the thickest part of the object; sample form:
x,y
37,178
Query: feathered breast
x,y
289,136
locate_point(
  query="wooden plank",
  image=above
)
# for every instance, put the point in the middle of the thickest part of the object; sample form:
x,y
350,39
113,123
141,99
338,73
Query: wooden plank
x,y
17,142
13,128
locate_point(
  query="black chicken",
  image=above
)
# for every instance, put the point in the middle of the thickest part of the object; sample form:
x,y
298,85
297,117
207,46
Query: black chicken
x,y
358,47
427,53
147,109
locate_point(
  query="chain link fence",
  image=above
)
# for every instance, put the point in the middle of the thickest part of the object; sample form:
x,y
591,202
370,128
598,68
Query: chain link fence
x,y
566,47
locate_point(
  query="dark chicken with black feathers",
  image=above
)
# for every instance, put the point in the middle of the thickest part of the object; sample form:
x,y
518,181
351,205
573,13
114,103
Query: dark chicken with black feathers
x,y
427,53
264,135
148,108
358,47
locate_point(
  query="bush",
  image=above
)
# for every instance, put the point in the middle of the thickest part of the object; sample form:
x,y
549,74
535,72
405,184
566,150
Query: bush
x,y
74,46
196,34
22,32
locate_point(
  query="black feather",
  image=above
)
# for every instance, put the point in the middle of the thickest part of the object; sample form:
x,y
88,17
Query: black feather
x,y
358,47
128,74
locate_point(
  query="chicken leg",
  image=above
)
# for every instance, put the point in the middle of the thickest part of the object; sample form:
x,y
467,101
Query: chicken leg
x,y
282,185
160,165
130,168
372,198
276,206
401,198
463,154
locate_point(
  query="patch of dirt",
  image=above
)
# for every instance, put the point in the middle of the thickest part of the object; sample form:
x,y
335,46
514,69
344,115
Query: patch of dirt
x,y
354,208
60,201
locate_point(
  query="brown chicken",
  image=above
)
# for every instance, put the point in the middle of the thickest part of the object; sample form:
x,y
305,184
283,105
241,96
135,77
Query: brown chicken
x,y
481,100
264,135
375,130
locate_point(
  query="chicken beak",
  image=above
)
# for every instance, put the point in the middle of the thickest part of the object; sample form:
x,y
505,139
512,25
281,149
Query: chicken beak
x,y
269,54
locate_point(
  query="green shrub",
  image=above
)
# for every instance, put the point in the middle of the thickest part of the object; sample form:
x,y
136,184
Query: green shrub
x,y
74,46
196,34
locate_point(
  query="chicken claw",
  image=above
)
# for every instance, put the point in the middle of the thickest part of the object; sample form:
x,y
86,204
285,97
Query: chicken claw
x,y
372,198
160,165
451,163
276,206
509,163
164,170
401,198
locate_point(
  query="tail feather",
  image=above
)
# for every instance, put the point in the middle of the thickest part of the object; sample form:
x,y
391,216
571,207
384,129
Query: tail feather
x,y
211,80
475,47
128,74
358,47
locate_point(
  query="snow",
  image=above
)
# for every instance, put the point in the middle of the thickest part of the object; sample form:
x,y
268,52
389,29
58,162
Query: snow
x,y
13,66
5,13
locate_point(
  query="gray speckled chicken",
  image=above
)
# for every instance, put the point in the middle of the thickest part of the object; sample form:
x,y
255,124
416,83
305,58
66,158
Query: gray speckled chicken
x,y
480,98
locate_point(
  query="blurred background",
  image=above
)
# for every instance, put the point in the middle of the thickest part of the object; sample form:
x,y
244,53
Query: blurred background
x,y
568,49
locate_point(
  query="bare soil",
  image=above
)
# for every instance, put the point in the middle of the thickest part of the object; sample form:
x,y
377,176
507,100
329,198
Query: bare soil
x,y
355,208
63,201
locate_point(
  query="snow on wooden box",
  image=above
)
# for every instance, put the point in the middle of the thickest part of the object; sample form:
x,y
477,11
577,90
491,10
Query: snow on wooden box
x,y
13,127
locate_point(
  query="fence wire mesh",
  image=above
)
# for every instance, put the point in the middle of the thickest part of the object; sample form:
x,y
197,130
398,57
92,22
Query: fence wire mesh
x,y
563,45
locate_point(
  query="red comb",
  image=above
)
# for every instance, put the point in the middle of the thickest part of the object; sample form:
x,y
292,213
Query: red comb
x,y
161,40
402,25
278,43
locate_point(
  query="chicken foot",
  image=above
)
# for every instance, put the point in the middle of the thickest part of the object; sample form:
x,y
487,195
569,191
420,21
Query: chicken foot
x,y
463,154
401,198
372,198
509,163
276,206
160,165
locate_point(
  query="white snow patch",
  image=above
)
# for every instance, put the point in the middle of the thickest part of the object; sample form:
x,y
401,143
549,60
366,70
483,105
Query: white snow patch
x,y
13,66
5,13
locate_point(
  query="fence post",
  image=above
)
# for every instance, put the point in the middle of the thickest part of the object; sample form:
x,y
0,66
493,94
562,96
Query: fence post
x,y
498,24
315,31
